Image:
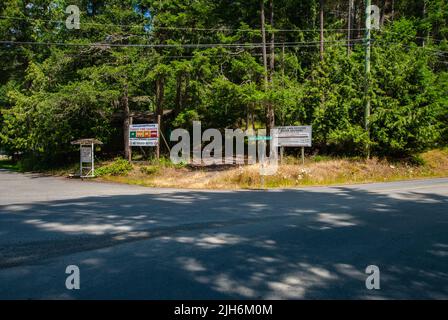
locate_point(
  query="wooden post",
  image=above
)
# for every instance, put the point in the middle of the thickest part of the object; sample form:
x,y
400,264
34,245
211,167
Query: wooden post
x,y
303,155
158,137
93,160
367,76
80,161
281,154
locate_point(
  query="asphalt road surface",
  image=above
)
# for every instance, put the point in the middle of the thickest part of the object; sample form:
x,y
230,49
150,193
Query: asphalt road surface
x,y
132,242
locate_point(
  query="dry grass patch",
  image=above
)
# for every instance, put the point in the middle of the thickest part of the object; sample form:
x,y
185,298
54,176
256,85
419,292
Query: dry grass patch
x,y
325,172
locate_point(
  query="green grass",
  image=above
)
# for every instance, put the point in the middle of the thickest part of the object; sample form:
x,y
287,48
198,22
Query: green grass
x,y
9,165
19,166
318,170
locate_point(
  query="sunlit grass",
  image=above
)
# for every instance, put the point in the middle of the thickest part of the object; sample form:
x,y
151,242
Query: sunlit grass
x,y
315,172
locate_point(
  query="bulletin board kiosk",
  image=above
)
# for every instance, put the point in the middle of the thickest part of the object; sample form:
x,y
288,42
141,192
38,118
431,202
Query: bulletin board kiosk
x,y
87,156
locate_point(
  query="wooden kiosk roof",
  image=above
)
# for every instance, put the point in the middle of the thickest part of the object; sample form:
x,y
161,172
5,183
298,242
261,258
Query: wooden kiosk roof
x,y
87,141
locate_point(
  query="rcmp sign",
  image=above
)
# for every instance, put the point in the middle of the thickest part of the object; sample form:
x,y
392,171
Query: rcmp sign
x,y
293,136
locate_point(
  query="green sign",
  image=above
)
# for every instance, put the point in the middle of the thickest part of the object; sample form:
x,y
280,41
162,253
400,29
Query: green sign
x,y
259,138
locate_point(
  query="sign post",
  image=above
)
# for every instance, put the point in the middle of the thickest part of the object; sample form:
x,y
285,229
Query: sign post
x,y
158,139
303,155
131,121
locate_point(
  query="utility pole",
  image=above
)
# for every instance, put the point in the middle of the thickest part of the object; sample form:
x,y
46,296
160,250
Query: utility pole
x,y
349,25
267,74
367,70
272,48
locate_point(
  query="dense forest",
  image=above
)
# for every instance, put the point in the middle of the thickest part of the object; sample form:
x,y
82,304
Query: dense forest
x,y
227,63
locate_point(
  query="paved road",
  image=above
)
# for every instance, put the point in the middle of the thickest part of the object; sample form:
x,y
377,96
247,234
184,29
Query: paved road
x,y
133,242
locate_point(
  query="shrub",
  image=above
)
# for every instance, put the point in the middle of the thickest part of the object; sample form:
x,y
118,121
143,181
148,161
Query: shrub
x,y
417,160
166,162
320,158
149,170
117,168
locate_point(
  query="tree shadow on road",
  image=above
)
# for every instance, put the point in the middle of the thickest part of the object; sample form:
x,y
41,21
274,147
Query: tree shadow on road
x,y
286,244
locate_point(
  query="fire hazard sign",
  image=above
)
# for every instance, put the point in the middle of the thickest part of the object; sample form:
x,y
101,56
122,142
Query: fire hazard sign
x,y
144,135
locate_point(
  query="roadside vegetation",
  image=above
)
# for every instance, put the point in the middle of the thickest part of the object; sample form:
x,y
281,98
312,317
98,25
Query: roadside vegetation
x,y
215,61
317,171
8,164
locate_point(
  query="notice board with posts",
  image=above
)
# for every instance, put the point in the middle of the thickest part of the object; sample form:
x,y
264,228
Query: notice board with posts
x,y
293,136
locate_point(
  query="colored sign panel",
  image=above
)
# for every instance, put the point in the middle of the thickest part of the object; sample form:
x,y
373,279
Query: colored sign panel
x,y
293,136
144,135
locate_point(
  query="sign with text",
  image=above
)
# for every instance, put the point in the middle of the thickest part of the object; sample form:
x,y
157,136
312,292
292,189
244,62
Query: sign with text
x,y
144,135
86,154
293,136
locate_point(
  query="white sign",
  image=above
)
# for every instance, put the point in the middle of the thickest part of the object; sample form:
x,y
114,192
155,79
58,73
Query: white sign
x,y
293,136
144,135
86,154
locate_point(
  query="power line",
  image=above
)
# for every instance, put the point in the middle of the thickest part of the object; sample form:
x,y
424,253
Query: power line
x,y
219,29
435,51
198,45
416,37
303,44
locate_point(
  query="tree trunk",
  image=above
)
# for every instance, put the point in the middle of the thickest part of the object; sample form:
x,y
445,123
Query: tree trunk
x,y
322,2
424,16
160,91
247,116
126,123
252,116
270,112
179,79
393,10
185,95
263,40
359,17
272,49
349,25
